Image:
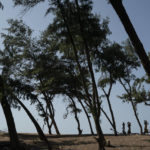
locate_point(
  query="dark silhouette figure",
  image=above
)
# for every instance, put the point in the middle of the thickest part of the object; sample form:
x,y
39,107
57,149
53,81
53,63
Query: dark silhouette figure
x,y
129,127
123,128
145,126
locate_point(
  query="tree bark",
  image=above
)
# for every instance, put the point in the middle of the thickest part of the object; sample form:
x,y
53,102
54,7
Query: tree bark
x,y
46,117
50,108
139,48
88,117
112,115
38,128
52,117
101,140
14,141
136,116
110,108
107,117
49,126
76,116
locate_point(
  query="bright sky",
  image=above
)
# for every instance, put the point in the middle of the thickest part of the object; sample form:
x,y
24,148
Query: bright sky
x,y
139,14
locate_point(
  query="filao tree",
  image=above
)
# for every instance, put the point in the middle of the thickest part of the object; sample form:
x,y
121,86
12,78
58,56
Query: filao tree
x,y
69,25
108,63
129,80
14,43
71,18
14,141
139,92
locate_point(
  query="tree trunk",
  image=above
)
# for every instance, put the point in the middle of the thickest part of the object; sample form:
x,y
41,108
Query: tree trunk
x,y
107,117
112,115
136,116
139,48
51,112
38,128
101,140
55,125
96,102
50,108
52,118
76,116
88,58
79,129
88,117
107,94
48,126
14,141
46,117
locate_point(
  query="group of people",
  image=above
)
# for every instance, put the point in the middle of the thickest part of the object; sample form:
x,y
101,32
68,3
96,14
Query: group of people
x,y
129,128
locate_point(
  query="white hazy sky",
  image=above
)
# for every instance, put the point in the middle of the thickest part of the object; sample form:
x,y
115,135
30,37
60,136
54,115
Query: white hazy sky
x,y
138,11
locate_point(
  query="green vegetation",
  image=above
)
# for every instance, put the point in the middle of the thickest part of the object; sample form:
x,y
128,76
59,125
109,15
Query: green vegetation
x,y
66,60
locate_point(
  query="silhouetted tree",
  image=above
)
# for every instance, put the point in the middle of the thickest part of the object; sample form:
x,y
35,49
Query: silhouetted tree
x,y
111,69
67,21
128,97
14,141
44,114
75,111
13,41
6,107
87,114
141,95
129,81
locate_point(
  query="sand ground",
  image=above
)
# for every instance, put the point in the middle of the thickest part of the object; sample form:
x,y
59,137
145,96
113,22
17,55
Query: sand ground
x,y
85,142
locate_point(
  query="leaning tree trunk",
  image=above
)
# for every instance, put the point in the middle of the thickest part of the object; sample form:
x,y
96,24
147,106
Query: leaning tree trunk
x,y
46,117
96,102
101,140
112,115
88,117
136,116
38,128
49,126
139,48
14,141
78,122
49,105
76,116
51,111
107,94
53,118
